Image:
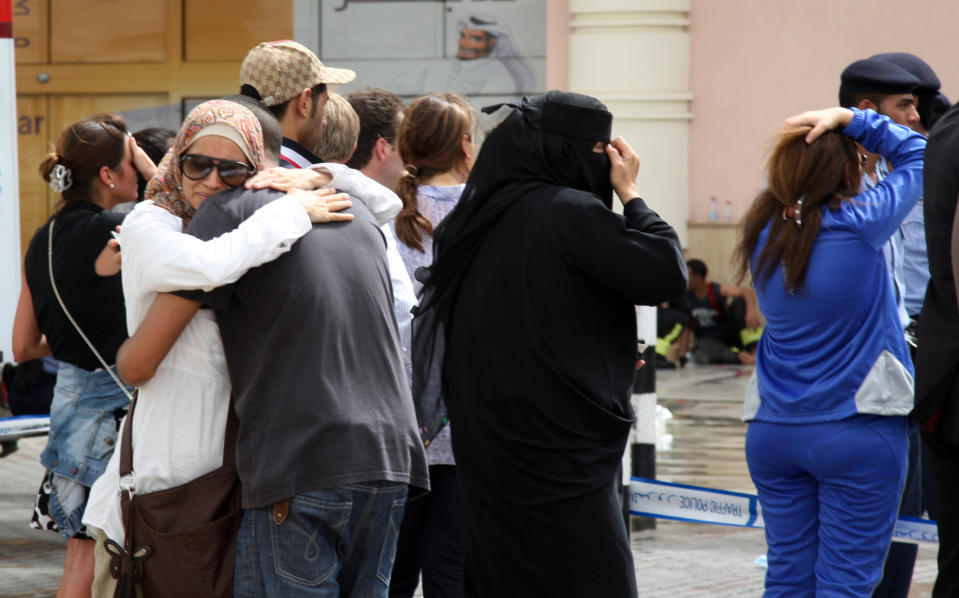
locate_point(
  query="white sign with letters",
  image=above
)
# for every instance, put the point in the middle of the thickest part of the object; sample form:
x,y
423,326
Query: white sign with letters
x,y
9,185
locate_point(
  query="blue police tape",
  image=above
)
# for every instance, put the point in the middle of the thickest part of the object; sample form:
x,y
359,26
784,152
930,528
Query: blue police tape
x,y
680,502
20,426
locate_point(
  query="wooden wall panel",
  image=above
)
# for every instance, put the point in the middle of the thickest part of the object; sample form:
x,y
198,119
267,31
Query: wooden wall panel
x,y
33,134
108,31
225,30
67,109
714,244
40,119
79,57
30,31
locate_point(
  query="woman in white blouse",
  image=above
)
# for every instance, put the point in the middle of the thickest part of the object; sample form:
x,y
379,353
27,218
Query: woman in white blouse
x,y
178,428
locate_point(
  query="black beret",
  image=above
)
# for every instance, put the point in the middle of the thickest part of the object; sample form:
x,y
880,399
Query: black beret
x,y
872,75
928,81
941,102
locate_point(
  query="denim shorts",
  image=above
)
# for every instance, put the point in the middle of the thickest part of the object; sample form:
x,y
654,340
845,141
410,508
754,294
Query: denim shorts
x,y
59,507
83,433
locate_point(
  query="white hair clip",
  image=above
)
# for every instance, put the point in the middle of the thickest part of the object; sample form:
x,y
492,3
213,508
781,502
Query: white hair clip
x,y
794,213
60,178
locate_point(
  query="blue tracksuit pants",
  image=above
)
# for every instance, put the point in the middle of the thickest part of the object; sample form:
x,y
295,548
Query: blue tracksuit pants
x,y
829,494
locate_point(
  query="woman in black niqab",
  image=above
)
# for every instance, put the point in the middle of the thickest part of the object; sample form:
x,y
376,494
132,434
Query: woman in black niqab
x,y
528,309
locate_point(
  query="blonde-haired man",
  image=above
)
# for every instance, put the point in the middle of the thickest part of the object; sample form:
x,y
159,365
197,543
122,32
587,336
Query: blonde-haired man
x,y
337,142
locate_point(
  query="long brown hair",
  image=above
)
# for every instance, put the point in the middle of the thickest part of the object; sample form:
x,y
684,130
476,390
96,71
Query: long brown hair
x,y
826,171
430,143
84,147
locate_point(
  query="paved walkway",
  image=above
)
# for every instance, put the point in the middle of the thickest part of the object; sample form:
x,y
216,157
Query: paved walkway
x,y
687,559
673,560
31,561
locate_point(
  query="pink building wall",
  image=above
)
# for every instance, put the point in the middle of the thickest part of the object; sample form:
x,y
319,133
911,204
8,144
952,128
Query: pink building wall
x,y
756,62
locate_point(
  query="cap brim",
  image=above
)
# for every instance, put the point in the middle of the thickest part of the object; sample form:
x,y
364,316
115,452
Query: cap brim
x,y
336,76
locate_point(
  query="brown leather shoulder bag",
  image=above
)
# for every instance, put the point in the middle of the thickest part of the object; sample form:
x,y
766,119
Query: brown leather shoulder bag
x,y
180,541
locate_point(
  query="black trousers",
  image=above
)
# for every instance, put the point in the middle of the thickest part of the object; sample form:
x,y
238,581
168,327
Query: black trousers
x,y
944,466
431,541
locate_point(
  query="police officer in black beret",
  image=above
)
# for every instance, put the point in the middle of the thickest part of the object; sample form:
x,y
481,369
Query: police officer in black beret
x,y
882,86
890,89
927,88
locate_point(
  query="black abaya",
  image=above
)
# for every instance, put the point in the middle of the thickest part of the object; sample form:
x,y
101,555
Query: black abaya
x,y
539,368
528,311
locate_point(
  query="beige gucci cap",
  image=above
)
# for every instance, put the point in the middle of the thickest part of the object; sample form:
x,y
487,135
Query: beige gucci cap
x,y
280,70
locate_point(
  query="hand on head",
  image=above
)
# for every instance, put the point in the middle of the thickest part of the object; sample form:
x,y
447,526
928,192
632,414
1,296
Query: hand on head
x,y
821,121
624,167
141,161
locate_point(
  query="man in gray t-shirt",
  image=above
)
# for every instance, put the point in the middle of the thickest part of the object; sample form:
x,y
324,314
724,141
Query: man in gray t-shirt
x,y
327,437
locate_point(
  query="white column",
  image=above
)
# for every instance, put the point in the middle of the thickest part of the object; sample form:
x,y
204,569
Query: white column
x,y
634,56
9,186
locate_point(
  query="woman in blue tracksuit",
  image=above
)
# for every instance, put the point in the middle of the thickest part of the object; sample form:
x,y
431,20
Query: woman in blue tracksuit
x,y
828,406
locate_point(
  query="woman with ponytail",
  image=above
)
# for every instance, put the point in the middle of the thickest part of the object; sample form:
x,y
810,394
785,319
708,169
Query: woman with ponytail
x,y
93,168
828,405
436,143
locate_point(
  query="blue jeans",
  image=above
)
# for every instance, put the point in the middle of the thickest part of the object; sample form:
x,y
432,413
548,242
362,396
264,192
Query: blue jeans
x,y
829,494
334,542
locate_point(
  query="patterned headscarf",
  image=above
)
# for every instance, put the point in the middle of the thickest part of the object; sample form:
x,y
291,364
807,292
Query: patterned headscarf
x,y
166,187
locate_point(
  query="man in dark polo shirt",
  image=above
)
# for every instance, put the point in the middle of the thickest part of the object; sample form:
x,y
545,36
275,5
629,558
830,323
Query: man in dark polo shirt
x,y
328,441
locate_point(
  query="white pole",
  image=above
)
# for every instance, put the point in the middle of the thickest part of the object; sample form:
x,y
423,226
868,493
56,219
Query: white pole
x,y
9,184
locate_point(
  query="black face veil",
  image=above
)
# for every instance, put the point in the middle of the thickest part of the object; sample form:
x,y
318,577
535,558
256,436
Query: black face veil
x,y
545,141
548,140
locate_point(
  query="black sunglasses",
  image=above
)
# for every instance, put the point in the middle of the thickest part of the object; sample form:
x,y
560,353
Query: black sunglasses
x,y
197,167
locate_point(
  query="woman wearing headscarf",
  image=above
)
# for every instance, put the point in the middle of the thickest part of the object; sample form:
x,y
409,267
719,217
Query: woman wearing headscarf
x,y
828,405
531,297
180,419
92,167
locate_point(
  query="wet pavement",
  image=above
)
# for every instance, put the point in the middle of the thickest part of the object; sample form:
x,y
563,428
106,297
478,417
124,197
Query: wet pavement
x,y
689,559
708,436
673,560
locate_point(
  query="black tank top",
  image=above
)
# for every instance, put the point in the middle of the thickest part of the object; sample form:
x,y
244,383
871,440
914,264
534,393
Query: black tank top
x,y
80,232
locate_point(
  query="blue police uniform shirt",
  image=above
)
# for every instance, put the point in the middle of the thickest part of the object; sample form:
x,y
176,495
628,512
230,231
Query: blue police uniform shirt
x,y
915,262
893,250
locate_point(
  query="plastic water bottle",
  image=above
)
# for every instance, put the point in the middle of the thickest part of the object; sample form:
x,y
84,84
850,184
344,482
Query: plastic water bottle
x,y
713,213
728,212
